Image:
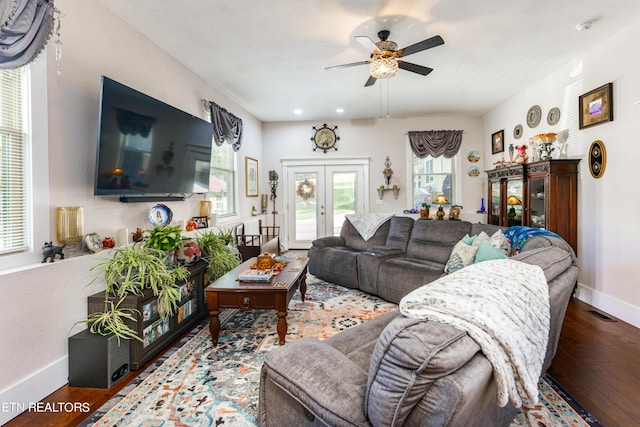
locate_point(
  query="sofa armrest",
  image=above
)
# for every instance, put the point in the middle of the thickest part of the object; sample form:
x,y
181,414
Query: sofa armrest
x,y
383,251
328,241
315,380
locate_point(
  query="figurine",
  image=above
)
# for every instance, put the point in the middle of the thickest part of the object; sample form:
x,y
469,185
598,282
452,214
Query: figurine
x,y
50,251
521,154
108,242
138,235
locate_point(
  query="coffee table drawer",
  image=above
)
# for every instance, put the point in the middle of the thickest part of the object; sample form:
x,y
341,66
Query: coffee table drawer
x,y
246,301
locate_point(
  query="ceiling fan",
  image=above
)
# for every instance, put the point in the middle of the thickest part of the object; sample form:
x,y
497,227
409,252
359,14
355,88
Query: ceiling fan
x,y
384,62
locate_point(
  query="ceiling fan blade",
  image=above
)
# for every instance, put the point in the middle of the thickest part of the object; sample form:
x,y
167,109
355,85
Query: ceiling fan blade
x,y
353,64
420,46
370,81
414,68
368,44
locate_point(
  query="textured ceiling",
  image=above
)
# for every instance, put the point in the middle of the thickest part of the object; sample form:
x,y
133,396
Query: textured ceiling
x,y
269,56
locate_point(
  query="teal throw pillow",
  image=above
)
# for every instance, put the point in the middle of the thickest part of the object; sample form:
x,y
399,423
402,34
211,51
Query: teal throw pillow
x,y
487,252
469,239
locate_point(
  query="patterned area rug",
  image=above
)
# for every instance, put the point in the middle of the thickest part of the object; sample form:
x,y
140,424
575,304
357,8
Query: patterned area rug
x,y
195,384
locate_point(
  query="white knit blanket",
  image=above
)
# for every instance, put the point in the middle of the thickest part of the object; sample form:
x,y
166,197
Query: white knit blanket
x,y
504,306
368,224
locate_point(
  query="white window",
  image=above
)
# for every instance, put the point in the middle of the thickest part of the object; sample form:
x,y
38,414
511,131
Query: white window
x,y
433,176
222,179
222,175
14,150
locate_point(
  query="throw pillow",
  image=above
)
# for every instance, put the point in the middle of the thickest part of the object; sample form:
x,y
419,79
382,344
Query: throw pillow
x,y
469,239
461,256
486,252
499,241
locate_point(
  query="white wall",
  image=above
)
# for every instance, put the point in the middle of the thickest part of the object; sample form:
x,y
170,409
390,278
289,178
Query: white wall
x,y
608,207
377,139
41,302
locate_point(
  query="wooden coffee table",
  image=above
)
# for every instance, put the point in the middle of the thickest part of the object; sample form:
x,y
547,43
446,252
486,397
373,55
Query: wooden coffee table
x,y
228,292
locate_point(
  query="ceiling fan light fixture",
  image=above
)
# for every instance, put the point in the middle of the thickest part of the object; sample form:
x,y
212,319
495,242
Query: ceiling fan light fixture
x,y
383,68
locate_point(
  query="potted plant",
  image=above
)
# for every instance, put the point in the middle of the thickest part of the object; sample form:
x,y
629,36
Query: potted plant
x,y
217,251
165,238
424,211
131,270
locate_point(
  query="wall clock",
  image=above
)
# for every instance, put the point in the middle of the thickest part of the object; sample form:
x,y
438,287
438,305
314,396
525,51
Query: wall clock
x,y
325,138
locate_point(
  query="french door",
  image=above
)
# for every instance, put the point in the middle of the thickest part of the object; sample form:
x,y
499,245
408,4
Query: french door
x,y
320,195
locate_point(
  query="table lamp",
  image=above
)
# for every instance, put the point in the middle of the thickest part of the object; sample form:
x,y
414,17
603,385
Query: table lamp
x,y
440,199
513,201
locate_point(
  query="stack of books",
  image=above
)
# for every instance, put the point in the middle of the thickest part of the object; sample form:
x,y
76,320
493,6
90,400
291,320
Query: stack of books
x,y
253,275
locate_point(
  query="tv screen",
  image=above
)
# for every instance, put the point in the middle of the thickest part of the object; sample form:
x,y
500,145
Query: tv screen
x,y
147,147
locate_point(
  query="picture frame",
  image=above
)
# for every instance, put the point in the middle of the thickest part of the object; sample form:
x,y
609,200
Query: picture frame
x,y
201,221
251,176
596,107
497,142
93,242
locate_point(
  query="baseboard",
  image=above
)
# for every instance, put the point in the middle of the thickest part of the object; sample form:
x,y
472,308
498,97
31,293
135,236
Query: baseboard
x,y
24,395
610,305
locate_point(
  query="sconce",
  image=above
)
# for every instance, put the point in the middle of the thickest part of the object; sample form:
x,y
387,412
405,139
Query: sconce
x,y
388,173
70,225
273,182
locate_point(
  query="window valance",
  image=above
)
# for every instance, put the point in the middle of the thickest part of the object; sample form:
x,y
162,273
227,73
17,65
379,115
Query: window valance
x,y
25,29
435,142
226,126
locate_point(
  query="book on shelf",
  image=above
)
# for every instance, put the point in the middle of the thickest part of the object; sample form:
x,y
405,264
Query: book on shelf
x,y
251,275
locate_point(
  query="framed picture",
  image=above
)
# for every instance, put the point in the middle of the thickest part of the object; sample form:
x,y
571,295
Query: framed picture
x,y
497,142
251,176
596,106
93,241
201,221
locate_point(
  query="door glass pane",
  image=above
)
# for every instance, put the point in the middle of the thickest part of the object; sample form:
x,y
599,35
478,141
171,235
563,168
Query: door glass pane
x,y
305,206
536,203
495,203
344,198
514,202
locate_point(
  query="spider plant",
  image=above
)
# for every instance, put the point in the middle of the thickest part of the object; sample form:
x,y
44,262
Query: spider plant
x,y
131,270
164,237
217,251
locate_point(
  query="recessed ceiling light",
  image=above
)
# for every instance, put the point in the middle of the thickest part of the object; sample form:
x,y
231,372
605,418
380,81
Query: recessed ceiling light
x,y
297,111
339,110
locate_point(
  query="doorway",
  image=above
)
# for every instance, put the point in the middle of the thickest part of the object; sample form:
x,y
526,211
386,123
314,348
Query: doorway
x,y
320,195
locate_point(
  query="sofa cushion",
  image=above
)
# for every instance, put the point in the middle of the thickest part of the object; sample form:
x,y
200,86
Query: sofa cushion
x,y
399,276
553,260
336,265
433,240
409,357
354,240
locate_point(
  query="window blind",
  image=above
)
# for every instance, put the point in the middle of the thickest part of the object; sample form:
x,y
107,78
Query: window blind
x,y
13,165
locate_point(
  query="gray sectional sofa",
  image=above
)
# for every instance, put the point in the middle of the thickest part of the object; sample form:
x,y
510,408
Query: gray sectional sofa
x,y
402,255
432,374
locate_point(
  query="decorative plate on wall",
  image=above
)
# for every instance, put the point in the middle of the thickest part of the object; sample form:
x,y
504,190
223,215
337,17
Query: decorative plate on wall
x,y
473,156
160,215
533,116
597,159
517,132
554,116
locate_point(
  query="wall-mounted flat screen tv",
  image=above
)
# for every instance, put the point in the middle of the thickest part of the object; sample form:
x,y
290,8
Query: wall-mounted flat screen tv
x,y
147,147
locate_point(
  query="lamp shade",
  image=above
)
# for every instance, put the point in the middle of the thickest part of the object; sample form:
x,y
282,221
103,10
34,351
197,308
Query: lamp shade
x,y
513,200
441,199
383,68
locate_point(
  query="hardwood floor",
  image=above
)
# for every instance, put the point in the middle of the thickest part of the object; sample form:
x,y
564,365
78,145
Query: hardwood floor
x,y
597,362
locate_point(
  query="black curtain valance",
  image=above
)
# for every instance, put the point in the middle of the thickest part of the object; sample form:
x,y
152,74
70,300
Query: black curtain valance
x,y
25,29
435,143
226,126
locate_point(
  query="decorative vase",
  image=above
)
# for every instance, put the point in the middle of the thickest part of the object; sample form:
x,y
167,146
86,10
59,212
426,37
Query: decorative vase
x,y
511,150
482,207
189,254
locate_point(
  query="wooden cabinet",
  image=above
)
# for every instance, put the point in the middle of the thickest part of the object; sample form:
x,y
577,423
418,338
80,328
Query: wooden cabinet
x,y
156,332
541,194
552,197
506,194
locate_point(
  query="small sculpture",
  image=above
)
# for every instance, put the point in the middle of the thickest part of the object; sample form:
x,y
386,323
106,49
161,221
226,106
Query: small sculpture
x,y
50,251
521,154
138,235
108,242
